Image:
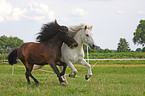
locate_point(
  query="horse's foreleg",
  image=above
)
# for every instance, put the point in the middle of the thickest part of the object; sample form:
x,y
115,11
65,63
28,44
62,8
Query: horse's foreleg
x,y
53,66
64,76
83,62
64,67
63,71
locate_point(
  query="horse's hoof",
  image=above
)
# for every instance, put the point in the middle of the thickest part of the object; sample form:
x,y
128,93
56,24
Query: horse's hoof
x,y
62,83
37,84
28,83
69,75
72,75
86,77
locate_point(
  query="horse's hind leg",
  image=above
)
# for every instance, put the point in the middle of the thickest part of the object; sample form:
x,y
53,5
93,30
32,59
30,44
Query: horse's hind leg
x,y
70,64
28,73
35,80
27,77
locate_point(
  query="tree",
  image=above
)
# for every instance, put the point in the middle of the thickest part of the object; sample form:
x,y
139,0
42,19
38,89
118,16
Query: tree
x,y
123,46
139,35
9,43
143,50
107,51
138,50
96,49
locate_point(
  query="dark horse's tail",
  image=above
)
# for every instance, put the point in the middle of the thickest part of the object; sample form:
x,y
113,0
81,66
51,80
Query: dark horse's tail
x,y
12,57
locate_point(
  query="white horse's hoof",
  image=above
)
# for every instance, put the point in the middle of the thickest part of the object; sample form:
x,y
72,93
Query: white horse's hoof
x,y
87,77
62,83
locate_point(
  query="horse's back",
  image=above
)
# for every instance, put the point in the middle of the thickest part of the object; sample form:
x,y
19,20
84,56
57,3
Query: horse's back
x,y
29,50
38,53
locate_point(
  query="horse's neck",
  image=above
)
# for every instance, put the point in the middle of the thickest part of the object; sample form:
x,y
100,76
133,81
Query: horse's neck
x,y
55,42
79,40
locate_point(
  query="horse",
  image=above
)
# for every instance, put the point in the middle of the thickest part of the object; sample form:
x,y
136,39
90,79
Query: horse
x,y
46,51
83,35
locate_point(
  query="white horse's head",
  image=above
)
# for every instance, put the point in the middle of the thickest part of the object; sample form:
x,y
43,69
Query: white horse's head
x,y
86,35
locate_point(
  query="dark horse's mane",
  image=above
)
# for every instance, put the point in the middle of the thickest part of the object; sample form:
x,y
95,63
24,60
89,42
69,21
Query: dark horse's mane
x,y
47,31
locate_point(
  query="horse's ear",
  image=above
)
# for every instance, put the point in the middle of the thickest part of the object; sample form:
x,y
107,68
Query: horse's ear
x,y
85,27
91,27
56,22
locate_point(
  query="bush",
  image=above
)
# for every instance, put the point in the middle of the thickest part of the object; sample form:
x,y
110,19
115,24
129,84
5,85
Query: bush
x,y
121,55
3,56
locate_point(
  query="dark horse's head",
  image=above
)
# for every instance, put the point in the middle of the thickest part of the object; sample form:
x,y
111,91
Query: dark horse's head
x,y
48,31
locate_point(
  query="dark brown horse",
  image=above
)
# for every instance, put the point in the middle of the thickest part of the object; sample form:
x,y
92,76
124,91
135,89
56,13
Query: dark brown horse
x,y
47,51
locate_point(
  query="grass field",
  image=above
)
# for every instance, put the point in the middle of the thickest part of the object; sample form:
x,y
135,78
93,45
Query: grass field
x,y
106,81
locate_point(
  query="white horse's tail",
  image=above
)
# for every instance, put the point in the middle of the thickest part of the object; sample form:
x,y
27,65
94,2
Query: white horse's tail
x,y
37,67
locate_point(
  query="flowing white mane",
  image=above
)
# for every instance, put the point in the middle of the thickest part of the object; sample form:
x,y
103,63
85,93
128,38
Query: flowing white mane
x,y
74,29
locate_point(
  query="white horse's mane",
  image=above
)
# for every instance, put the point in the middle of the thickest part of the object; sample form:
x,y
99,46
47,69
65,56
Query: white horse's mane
x,y
74,29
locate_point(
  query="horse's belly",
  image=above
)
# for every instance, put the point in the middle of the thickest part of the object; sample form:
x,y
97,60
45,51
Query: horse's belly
x,y
75,59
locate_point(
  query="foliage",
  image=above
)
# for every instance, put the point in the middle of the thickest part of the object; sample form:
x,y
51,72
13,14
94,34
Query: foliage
x,y
139,35
3,56
143,50
123,46
107,51
121,55
9,43
138,50
98,50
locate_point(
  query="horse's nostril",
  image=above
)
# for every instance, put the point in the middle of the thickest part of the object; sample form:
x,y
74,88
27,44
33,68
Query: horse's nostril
x,y
93,46
76,45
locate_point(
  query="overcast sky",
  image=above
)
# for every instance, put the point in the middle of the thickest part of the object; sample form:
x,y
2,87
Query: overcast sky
x,y
111,19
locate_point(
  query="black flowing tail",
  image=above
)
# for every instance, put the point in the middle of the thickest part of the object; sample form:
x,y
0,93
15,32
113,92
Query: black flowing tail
x,y
12,57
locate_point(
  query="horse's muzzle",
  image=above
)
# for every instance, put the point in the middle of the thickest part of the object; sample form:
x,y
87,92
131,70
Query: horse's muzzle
x,y
93,46
74,45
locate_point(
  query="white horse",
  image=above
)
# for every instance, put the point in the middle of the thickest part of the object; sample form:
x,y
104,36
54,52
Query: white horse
x,y
82,34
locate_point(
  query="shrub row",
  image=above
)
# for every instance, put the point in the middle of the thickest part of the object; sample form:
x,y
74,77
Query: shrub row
x,y
121,55
3,56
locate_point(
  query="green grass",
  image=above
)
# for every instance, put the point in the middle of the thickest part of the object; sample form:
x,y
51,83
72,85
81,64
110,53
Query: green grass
x,y
106,81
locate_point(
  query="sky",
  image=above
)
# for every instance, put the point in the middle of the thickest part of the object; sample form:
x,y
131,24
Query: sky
x,y
111,19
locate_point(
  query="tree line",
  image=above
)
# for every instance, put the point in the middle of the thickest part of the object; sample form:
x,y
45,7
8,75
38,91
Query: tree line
x,y
123,45
9,43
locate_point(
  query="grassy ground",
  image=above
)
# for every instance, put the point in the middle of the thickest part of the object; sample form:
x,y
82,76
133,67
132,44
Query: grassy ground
x,y
106,81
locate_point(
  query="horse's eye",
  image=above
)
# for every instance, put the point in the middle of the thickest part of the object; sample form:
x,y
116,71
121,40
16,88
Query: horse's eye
x,y
87,35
